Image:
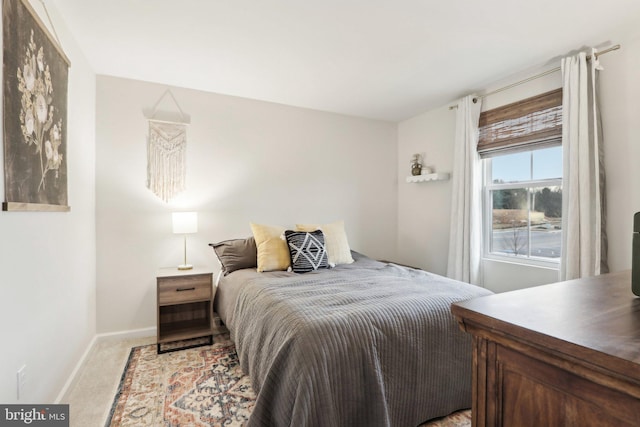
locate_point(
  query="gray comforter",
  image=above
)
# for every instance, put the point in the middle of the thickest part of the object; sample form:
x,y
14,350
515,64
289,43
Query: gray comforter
x,y
368,344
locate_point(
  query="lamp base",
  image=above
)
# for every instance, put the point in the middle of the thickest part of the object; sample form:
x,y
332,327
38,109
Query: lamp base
x,y
185,267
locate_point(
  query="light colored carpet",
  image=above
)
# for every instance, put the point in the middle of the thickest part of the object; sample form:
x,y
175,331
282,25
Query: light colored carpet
x,y
91,396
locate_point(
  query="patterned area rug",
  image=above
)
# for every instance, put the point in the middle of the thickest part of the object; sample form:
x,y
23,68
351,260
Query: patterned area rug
x,y
197,387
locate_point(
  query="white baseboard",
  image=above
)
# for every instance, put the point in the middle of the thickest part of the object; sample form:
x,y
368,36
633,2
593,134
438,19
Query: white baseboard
x,y
74,374
134,333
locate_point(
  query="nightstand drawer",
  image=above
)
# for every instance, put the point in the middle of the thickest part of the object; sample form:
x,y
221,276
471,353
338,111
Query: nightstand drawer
x,y
184,289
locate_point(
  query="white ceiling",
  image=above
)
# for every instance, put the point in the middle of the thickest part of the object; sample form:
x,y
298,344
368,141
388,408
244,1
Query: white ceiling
x,y
384,59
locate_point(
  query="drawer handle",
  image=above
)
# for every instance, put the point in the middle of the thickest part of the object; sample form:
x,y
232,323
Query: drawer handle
x,y
185,289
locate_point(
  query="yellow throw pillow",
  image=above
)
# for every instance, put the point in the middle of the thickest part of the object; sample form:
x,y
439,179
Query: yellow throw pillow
x,y
335,238
273,253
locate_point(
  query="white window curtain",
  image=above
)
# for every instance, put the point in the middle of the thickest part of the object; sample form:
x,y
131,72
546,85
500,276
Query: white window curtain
x,y
584,241
466,209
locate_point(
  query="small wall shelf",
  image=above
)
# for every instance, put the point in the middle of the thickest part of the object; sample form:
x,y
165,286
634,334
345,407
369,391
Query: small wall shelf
x,y
428,177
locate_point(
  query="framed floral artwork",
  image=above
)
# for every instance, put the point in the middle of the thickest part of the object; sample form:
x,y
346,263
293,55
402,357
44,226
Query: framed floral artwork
x,y
35,78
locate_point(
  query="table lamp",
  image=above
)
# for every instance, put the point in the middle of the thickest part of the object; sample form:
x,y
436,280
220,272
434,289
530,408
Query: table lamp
x,y
185,223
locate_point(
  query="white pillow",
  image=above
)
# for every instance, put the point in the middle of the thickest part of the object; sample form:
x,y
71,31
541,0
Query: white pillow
x,y
335,239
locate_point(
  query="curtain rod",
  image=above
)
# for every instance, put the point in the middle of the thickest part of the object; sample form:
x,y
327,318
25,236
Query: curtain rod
x,y
537,76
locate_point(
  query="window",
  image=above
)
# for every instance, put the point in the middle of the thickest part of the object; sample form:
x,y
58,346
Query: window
x,y
522,161
523,205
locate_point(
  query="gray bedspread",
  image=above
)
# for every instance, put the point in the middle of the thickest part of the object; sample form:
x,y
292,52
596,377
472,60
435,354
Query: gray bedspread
x,y
368,344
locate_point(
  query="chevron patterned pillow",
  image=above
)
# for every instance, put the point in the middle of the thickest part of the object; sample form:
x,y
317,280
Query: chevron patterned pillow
x,y
307,249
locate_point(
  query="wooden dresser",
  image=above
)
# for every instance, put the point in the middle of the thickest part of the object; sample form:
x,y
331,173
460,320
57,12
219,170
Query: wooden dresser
x,y
566,354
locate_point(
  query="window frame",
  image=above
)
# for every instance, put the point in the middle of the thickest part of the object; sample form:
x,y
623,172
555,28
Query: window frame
x,y
487,215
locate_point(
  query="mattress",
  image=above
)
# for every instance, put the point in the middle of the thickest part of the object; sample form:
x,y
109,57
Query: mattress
x,y
362,344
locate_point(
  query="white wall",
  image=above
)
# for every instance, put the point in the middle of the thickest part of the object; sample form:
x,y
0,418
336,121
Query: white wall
x,y
246,161
620,115
423,209
47,260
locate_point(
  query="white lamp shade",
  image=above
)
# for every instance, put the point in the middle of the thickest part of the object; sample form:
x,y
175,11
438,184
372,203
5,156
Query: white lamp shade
x,y
185,222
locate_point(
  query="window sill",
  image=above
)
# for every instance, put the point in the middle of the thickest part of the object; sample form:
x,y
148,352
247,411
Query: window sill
x,y
528,262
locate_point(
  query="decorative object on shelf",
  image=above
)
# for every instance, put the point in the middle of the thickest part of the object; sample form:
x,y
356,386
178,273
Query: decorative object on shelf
x,y
35,82
416,164
440,176
185,223
426,170
166,154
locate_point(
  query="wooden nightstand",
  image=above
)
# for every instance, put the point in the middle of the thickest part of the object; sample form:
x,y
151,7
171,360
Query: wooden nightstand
x,y
185,306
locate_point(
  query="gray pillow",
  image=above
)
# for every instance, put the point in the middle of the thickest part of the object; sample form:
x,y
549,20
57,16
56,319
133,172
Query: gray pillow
x,y
236,254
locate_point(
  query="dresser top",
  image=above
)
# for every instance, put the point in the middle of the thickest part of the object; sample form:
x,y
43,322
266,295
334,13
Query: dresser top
x,y
595,318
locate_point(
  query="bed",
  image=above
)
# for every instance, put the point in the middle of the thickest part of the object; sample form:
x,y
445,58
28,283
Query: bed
x,y
362,344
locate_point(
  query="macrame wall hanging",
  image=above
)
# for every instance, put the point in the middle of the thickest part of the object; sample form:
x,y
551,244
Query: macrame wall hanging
x,y
166,154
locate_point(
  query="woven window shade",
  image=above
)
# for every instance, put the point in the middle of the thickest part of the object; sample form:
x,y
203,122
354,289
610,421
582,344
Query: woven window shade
x,y
532,123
